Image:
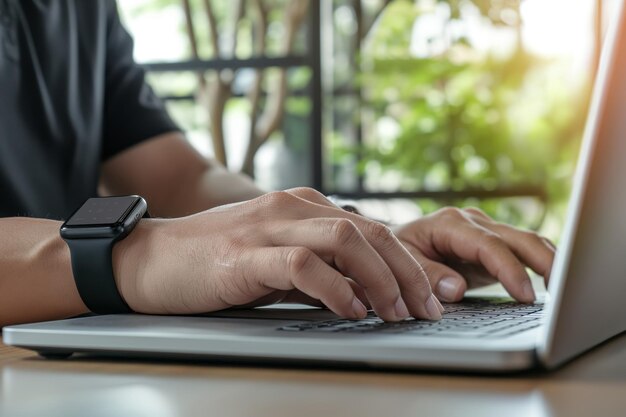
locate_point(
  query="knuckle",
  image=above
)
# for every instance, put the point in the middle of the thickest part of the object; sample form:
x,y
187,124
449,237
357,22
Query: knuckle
x,y
298,260
381,234
475,211
418,284
452,213
491,240
277,198
420,276
344,232
547,242
534,238
307,192
429,270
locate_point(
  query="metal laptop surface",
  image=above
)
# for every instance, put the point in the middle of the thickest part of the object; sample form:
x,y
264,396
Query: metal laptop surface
x,y
259,337
585,306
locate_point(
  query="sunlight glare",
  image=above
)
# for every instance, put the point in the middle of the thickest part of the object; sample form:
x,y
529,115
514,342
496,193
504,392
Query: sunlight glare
x,y
557,28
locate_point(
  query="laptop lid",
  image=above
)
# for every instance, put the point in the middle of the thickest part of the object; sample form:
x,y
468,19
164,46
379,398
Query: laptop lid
x,y
591,308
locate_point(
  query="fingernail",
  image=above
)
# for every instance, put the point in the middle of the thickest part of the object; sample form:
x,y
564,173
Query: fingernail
x,y
432,309
529,293
441,309
448,288
360,312
402,312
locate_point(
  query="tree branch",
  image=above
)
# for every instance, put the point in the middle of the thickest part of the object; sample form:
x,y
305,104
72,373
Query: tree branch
x,y
237,16
271,119
217,94
272,116
215,37
254,94
367,28
212,94
193,40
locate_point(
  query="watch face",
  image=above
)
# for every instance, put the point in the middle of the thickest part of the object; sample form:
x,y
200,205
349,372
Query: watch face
x,y
102,211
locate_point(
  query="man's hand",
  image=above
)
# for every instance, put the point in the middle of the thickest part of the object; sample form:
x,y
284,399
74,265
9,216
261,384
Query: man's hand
x,y
292,245
453,244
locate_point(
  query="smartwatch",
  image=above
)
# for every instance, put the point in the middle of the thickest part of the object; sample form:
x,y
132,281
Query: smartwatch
x,y
90,234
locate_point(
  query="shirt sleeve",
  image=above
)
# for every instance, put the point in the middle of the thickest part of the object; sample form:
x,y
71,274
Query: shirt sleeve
x,y
133,112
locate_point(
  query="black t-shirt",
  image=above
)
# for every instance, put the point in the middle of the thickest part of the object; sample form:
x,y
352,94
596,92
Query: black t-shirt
x,y
71,96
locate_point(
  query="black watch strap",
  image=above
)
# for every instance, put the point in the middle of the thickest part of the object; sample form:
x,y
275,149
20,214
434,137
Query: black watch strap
x,y
90,232
93,268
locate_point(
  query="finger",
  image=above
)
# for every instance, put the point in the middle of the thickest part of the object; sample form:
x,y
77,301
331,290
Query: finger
x,y
411,278
447,284
311,195
530,248
409,275
299,297
360,293
289,268
469,241
340,243
475,275
533,250
316,197
490,250
549,243
476,213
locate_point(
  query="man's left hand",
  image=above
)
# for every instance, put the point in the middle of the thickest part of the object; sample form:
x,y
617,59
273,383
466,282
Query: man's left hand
x,y
453,244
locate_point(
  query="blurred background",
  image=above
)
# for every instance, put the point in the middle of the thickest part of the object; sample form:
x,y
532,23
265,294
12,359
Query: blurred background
x,y
403,105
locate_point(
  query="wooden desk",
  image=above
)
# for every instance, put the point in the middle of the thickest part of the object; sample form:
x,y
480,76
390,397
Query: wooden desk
x,y
593,385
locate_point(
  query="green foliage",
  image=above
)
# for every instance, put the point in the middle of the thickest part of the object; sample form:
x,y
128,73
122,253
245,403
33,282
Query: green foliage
x,y
464,118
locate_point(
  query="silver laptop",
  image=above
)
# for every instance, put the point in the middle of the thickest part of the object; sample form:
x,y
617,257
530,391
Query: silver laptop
x,y
586,304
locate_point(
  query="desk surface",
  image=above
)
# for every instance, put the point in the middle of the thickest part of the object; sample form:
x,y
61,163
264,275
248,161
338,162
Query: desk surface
x,y
593,385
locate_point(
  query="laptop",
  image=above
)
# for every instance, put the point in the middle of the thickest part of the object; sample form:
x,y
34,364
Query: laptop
x,y
585,305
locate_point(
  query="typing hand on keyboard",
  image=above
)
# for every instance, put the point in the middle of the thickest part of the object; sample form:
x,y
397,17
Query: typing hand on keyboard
x,y
470,318
452,245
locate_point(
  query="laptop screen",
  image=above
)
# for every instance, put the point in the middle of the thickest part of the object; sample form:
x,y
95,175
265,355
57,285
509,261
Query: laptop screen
x,y
587,286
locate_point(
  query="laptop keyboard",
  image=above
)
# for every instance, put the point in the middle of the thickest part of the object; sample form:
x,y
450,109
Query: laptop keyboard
x,y
475,319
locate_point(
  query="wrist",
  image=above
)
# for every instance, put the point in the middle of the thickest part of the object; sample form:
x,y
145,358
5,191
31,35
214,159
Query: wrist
x,y
36,282
131,258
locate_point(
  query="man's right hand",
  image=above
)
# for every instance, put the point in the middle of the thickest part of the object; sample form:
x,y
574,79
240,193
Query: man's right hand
x,y
291,245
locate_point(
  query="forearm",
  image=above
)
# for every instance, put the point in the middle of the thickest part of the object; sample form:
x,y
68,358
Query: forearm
x,y
214,187
201,189
36,281
174,178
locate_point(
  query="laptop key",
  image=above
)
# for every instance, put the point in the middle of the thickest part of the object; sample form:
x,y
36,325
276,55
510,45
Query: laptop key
x,y
472,319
